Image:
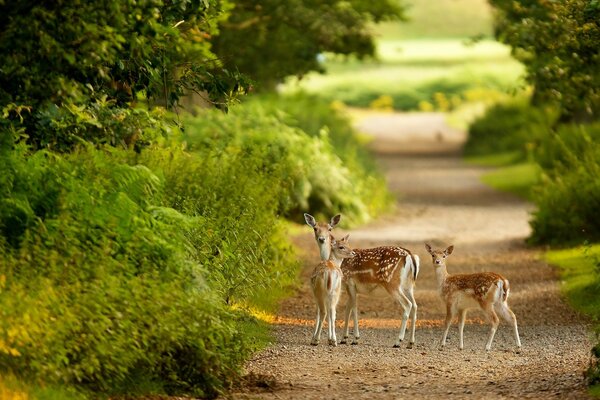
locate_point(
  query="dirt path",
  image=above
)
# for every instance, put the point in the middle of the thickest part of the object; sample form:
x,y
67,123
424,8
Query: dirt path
x,y
440,200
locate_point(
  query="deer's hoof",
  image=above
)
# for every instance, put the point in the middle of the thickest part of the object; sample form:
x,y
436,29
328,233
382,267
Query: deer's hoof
x,y
314,343
410,345
333,343
354,342
344,341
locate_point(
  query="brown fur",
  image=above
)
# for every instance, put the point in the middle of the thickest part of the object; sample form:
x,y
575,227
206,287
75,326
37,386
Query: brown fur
x,y
480,283
378,265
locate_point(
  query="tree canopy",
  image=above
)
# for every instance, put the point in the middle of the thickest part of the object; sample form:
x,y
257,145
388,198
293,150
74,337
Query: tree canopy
x,y
64,63
272,39
559,44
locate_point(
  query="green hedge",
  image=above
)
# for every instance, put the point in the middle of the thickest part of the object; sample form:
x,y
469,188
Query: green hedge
x,y
307,147
506,127
568,197
133,270
117,267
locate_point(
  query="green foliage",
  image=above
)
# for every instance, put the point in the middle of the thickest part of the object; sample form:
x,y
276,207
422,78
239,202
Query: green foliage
x,y
580,276
569,194
557,41
80,64
272,39
327,121
116,267
441,19
518,179
319,169
513,126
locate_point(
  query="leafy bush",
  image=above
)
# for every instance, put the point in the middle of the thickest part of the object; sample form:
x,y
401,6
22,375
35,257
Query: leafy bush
x,y
114,273
569,196
308,148
505,127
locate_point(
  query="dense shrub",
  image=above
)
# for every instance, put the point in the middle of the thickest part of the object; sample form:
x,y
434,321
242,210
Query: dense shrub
x,y
514,126
568,199
307,148
115,274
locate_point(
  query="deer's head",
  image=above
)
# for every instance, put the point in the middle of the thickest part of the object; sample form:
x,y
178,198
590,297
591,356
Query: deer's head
x,y
322,232
439,256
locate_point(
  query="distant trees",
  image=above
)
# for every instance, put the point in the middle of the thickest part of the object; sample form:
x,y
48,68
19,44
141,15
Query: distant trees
x,y
559,44
272,39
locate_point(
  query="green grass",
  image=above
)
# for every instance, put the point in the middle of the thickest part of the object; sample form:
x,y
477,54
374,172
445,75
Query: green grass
x,y
517,179
14,388
579,270
413,71
495,160
579,276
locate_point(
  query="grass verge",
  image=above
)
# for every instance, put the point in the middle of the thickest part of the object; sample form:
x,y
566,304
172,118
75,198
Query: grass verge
x,y
518,179
579,272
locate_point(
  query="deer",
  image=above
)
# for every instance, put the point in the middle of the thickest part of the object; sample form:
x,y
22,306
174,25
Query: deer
x,y
326,284
487,291
391,267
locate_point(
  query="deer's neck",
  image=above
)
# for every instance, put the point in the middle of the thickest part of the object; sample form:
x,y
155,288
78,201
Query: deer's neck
x,y
336,261
325,250
441,273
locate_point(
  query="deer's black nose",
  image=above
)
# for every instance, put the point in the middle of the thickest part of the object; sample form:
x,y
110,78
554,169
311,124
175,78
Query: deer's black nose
x,y
321,239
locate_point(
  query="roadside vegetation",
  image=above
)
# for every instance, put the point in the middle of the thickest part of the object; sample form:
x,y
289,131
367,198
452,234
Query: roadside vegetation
x,y
546,142
143,245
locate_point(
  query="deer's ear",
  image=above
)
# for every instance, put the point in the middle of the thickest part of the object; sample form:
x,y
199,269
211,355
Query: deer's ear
x,y
310,220
345,239
335,220
428,247
449,250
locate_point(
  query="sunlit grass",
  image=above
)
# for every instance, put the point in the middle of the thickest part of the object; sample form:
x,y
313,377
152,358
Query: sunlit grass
x,y
579,277
14,388
413,71
517,179
495,160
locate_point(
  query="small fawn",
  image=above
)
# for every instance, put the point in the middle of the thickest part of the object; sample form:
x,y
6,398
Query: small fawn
x,y
326,283
461,292
391,267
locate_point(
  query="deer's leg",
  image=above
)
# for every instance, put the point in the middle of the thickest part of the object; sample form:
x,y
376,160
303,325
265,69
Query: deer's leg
x,y
321,314
350,307
406,305
461,327
347,311
509,317
413,322
494,321
314,340
355,314
332,312
447,323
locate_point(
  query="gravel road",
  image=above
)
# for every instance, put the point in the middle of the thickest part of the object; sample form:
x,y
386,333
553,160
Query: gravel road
x,y
441,201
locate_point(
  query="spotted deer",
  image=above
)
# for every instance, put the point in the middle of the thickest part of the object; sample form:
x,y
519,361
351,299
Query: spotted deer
x,y
326,283
322,232
391,267
487,291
